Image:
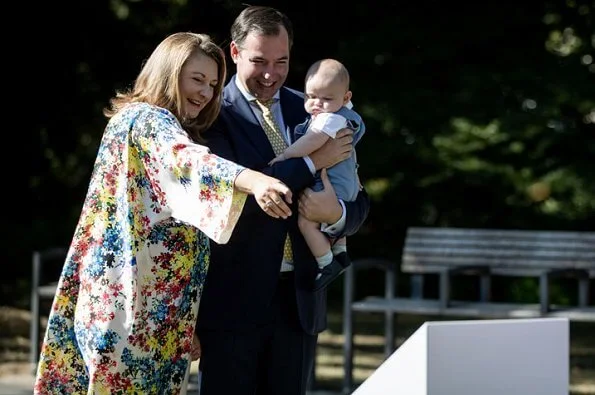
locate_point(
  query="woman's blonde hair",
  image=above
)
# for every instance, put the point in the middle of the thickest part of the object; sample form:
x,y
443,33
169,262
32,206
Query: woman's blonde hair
x,y
158,80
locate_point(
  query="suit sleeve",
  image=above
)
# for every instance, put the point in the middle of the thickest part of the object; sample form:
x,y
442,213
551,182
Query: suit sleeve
x,y
217,140
292,172
357,213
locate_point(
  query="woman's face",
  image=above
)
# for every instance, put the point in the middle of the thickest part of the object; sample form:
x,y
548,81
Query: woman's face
x,y
198,80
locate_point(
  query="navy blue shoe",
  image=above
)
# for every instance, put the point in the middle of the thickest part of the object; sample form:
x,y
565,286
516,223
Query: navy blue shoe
x,y
327,274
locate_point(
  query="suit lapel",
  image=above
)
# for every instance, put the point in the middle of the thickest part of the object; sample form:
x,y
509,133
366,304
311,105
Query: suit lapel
x,y
239,109
247,123
289,102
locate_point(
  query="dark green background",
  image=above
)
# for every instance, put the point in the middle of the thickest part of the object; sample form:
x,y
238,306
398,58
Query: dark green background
x,y
478,114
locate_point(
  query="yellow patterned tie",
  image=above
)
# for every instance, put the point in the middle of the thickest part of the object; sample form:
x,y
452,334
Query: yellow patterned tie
x,y
273,132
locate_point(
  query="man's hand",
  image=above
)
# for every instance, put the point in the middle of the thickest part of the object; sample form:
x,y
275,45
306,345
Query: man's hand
x,y
334,150
323,206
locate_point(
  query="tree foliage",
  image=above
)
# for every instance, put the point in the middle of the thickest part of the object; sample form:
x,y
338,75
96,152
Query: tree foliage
x,y
478,115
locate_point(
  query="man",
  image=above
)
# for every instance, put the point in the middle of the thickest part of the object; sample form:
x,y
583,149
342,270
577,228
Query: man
x,y
259,317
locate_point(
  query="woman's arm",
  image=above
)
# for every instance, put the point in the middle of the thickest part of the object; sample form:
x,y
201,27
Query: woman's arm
x,y
271,194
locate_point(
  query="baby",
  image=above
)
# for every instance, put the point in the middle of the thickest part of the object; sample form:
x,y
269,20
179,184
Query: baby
x,y
328,101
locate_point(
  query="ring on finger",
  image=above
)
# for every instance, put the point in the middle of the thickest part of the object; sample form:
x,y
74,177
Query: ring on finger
x,y
268,204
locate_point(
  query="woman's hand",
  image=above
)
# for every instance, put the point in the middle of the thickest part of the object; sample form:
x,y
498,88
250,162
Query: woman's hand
x,y
271,194
273,197
196,350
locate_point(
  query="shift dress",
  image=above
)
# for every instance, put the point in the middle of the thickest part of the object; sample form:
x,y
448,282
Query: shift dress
x,y
124,312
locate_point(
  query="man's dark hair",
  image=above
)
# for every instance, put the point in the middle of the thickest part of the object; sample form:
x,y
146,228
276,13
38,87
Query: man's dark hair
x,y
261,20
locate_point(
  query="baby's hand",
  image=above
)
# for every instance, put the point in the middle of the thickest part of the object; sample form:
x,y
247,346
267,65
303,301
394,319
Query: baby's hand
x,y
277,158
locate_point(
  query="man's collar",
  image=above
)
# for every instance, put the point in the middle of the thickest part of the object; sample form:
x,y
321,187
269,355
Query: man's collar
x,y
247,95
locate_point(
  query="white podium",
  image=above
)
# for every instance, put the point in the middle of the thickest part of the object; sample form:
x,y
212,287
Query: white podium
x,y
479,357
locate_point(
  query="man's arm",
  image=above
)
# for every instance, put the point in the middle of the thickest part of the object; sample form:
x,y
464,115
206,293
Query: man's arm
x,y
334,150
323,207
356,215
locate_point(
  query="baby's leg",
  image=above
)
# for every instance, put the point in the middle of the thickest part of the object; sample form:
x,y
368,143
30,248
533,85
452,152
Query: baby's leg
x,y
317,241
340,246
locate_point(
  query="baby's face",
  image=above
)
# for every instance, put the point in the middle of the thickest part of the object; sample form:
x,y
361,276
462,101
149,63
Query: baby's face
x,y
324,96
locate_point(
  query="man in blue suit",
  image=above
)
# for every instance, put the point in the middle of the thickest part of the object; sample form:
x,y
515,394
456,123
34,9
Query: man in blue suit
x,y
259,317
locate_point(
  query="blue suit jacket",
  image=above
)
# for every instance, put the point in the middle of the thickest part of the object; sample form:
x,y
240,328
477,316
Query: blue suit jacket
x,y
243,273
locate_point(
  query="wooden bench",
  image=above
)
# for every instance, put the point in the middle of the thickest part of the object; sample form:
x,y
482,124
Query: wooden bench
x,y
483,253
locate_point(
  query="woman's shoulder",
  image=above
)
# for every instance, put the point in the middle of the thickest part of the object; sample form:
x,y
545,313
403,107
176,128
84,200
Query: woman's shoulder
x,y
146,111
143,118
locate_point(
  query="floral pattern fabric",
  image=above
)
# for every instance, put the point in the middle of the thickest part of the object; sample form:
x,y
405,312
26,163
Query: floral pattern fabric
x,y
125,309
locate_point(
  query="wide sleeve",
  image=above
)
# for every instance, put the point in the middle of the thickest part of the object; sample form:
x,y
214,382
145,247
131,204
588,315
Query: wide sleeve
x,y
187,181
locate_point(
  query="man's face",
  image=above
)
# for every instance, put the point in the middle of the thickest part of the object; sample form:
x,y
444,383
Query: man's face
x,y
262,63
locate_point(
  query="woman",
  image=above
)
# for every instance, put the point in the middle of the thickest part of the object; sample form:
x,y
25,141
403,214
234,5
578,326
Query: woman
x,y
123,317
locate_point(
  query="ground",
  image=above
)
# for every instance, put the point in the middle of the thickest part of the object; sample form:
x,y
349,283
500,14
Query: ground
x,y
14,348
14,340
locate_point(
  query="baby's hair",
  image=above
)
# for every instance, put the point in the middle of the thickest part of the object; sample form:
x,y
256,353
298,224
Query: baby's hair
x,y
331,69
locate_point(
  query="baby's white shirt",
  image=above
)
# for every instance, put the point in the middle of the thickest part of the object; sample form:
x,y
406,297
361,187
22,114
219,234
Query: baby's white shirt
x,y
328,123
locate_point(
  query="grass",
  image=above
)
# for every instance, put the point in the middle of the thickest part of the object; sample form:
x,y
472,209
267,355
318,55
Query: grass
x,y
368,347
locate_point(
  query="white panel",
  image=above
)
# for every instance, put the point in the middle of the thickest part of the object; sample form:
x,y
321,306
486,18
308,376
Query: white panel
x,y
496,357
487,357
404,372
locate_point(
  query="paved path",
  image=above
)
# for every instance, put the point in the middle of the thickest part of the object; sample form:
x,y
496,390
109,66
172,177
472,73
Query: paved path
x,y
23,385
16,385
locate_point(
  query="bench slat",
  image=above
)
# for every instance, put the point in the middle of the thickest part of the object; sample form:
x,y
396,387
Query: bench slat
x,y
417,264
514,252
501,233
495,271
47,291
487,243
508,253
470,309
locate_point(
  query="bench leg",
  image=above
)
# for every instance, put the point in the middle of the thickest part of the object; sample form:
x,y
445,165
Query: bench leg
x,y
389,334
444,289
485,288
583,292
544,293
390,291
34,326
417,286
349,278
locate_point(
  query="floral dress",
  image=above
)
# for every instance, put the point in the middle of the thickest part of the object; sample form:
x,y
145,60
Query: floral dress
x,y
125,309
